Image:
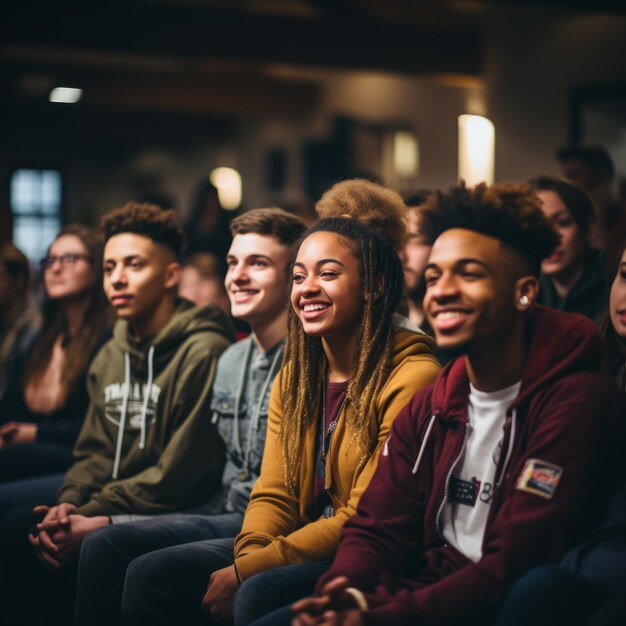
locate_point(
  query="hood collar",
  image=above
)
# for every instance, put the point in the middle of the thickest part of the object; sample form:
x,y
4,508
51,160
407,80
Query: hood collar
x,y
560,344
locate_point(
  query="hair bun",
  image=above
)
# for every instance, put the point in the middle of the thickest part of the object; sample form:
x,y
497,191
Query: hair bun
x,y
380,208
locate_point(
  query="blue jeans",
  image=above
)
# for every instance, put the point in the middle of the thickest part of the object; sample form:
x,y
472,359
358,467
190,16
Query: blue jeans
x,y
266,599
123,553
167,586
549,595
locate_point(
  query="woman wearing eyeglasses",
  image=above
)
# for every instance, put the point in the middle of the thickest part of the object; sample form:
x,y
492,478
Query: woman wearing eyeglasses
x,y
43,408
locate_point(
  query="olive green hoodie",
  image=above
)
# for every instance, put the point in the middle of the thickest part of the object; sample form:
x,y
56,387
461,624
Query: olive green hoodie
x,y
147,445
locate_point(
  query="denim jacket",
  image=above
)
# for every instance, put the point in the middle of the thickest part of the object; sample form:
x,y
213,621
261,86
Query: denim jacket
x,y
239,405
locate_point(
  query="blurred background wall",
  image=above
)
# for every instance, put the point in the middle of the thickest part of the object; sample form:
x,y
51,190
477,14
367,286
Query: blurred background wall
x,y
294,95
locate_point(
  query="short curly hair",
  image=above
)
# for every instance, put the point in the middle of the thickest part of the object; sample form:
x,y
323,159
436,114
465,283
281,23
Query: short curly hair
x,y
145,219
510,212
378,207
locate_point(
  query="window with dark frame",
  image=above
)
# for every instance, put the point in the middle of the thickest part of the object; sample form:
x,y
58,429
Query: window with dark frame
x,y
36,197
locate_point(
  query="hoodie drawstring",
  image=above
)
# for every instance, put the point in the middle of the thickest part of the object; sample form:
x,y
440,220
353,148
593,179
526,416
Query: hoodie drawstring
x,y
144,408
423,446
122,424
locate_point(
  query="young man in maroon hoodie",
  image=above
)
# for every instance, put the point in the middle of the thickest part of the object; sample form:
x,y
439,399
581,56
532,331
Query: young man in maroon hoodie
x,y
505,460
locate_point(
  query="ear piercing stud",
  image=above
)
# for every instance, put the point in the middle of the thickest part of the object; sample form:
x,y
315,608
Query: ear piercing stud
x,y
524,301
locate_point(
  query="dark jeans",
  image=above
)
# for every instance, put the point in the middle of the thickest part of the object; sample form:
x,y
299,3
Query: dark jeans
x,y
29,492
28,460
260,595
107,553
29,593
612,614
167,586
549,595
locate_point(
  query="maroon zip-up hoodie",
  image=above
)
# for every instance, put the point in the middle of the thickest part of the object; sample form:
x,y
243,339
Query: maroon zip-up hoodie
x,y
567,414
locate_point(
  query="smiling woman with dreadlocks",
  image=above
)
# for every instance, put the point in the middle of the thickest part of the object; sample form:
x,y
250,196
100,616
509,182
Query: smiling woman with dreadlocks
x,y
347,371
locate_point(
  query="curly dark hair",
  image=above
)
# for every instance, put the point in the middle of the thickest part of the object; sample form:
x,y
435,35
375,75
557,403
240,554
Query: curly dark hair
x,y
378,207
145,219
510,212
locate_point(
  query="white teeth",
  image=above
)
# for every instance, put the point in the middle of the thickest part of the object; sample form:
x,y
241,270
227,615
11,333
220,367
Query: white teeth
x,y
448,315
313,307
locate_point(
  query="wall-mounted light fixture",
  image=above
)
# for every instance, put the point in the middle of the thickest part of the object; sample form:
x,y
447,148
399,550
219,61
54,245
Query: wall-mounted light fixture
x,y
477,138
405,154
66,95
228,183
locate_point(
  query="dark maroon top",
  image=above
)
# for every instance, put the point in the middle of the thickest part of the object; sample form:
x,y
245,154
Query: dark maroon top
x,y
335,394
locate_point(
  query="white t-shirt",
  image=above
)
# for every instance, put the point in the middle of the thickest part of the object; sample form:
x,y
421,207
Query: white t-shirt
x,y
470,490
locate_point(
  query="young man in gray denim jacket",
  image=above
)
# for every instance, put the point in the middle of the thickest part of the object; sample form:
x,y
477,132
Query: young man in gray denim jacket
x,y
117,557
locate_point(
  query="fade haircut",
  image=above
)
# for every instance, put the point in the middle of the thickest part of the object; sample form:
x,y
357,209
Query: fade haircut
x,y
575,199
509,212
304,363
287,228
380,208
149,220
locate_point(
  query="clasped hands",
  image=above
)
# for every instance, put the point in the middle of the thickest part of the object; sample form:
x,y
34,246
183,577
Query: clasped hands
x,y
335,607
61,533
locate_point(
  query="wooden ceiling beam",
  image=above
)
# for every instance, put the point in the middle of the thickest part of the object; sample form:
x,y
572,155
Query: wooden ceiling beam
x,y
196,32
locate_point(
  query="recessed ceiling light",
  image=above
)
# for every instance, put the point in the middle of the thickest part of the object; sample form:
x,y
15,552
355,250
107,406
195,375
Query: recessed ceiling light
x,y
67,95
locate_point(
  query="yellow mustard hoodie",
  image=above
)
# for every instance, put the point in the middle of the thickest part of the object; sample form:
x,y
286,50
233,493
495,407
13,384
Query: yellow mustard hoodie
x,y
276,529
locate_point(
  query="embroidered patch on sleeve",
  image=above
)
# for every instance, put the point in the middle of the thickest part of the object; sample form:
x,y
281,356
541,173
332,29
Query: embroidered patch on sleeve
x,y
539,477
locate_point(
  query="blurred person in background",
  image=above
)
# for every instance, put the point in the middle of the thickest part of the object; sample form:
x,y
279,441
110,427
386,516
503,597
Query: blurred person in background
x,y
415,258
591,167
19,322
202,281
573,276
206,228
46,399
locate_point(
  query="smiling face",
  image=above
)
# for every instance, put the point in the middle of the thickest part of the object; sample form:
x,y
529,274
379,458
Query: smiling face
x,y
257,279
66,279
139,275
569,255
617,300
327,290
470,296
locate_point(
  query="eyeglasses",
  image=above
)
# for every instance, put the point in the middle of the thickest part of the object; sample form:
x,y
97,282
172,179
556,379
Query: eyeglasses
x,y
69,258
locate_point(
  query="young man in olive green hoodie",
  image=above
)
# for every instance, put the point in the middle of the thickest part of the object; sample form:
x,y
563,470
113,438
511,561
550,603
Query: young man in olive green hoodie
x,y
147,445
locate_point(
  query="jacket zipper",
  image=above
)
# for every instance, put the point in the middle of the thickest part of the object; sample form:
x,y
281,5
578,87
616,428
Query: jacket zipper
x,y
447,483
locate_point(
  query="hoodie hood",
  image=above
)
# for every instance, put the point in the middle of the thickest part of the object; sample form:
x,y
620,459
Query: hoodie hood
x,y
409,340
560,344
187,320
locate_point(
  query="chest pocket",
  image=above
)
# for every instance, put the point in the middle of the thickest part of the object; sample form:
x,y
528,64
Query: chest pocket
x,y
223,412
